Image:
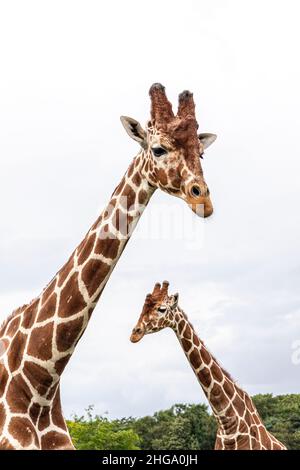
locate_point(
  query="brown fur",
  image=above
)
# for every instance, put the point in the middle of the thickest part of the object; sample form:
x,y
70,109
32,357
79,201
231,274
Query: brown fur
x,y
40,345
38,376
71,300
16,350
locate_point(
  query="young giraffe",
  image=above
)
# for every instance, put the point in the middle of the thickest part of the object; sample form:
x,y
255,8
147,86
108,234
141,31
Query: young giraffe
x,y
37,341
239,424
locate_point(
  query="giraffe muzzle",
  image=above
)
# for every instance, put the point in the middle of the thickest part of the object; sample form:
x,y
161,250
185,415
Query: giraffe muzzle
x,y
137,334
203,207
199,200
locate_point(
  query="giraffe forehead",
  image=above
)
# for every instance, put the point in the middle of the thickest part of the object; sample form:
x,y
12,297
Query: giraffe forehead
x,y
161,138
181,139
151,304
149,307
178,129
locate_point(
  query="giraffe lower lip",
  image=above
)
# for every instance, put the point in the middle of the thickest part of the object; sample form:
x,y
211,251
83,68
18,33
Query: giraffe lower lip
x,y
201,211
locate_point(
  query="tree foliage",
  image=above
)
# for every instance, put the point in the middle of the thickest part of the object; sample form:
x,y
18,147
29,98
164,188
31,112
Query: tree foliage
x,y
281,416
183,426
98,433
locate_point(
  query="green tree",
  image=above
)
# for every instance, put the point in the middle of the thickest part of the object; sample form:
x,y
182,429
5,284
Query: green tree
x,y
180,427
98,433
281,416
183,426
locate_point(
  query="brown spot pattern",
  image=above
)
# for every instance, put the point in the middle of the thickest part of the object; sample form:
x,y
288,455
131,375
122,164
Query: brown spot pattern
x,y
162,177
187,332
195,358
264,438
38,376
54,440
48,291
186,344
34,412
65,270
205,376
13,326
40,344
52,391
3,379
239,405
107,247
16,350
44,419
67,333
228,388
48,309
18,395
131,169
128,197
57,416
119,187
2,417
206,357
93,273
137,179
61,364
216,372
87,249
71,300
181,326
23,431
196,340
29,314
217,397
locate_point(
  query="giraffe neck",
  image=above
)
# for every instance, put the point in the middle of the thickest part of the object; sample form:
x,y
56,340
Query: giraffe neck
x,y
221,391
239,424
58,318
37,341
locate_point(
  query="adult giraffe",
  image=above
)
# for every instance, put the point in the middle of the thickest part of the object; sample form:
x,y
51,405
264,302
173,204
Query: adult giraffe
x,y
239,424
38,339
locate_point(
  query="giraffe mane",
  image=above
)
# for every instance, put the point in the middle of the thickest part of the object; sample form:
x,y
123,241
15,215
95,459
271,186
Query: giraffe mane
x,y
13,314
225,372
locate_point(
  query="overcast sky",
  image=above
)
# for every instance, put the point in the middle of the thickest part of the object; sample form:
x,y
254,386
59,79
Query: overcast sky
x,y
69,69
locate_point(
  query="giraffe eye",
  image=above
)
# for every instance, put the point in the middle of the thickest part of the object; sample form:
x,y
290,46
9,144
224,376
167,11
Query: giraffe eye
x,y
158,151
162,309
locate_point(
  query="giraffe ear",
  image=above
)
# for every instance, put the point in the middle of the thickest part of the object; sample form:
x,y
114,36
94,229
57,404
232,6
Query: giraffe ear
x,y
134,130
175,300
207,139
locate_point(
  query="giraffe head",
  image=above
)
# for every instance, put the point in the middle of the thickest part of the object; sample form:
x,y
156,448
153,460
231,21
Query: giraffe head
x,y
172,148
160,311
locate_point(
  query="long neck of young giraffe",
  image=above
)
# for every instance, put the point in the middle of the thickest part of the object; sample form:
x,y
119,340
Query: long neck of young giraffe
x,y
239,424
229,403
60,315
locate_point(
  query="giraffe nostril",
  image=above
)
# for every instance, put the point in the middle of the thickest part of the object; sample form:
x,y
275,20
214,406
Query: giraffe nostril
x,y
138,330
195,190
